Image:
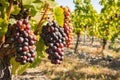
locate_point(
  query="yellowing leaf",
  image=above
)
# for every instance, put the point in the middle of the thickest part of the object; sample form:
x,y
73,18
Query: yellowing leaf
x,y
59,16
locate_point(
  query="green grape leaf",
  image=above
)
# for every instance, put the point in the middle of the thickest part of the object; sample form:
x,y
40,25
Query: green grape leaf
x,y
22,68
4,3
12,21
15,10
33,23
40,47
17,68
36,62
33,10
51,3
76,30
3,26
76,1
27,2
37,6
59,15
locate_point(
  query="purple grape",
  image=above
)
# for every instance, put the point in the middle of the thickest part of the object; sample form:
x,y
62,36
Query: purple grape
x,y
20,40
19,49
25,21
31,60
28,55
28,26
24,34
25,44
19,23
23,62
26,39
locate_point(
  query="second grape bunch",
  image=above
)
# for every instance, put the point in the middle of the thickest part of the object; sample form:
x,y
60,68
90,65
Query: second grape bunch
x,y
54,37
68,25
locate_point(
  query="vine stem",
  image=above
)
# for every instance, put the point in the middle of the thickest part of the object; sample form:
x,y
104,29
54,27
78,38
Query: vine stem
x,y
41,20
2,38
10,8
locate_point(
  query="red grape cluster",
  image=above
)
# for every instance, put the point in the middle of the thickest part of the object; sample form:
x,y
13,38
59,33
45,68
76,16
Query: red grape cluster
x,y
24,42
54,37
67,25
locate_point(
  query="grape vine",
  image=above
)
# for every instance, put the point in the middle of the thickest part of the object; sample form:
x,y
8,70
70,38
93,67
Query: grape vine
x,y
103,25
19,32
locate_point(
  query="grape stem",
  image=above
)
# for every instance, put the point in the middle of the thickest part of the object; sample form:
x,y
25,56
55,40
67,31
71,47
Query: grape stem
x,y
6,47
41,20
9,8
6,51
2,40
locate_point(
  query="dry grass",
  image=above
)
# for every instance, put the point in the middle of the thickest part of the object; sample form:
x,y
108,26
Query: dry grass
x,y
73,69
96,50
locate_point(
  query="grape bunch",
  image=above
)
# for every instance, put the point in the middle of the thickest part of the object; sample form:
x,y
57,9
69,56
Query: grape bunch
x,y
55,38
24,42
67,25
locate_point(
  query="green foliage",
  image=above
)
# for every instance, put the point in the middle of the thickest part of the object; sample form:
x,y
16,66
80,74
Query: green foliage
x,y
52,3
84,16
40,47
15,10
17,68
104,25
27,2
109,20
59,15
33,24
3,17
33,5
3,25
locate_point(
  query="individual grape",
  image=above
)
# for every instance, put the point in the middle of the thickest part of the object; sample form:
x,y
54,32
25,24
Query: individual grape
x,y
19,49
33,55
18,59
22,27
17,34
24,57
20,40
31,60
25,21
19,23
25,48
25,43
28,26
26,39
24,53
60,45
31,42
24,34
28,55
23,62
